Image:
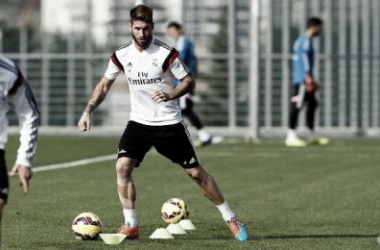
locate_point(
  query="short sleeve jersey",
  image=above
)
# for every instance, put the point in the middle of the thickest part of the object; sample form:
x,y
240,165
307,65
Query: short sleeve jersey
x,y
186,50
146,72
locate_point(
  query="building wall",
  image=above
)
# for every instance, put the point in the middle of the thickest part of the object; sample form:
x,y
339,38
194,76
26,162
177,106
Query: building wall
x,y
67,16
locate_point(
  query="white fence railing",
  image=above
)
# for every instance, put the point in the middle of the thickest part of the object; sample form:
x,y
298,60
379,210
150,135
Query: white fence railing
x,y
347,66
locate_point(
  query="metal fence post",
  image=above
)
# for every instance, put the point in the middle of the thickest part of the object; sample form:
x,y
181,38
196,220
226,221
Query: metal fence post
x,y
342,63
23,48
231,65
89,49
45,73
70,99
285,62
327,85
354,57
254,71
376,64
303,15
366,70
268,67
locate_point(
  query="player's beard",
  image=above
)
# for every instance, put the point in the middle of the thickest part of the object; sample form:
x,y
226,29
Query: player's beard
x,y
143,44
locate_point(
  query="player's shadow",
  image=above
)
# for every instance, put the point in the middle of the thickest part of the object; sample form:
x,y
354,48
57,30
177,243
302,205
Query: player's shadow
x,y
303,236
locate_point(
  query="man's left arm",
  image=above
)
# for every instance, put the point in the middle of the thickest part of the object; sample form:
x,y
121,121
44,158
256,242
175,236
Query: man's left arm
x,y
179,71
187,84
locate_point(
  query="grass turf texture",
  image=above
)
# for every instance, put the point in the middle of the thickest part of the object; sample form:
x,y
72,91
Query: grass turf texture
x,y
305,198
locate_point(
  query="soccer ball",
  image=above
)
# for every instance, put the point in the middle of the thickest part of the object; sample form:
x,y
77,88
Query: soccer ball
x,y
174,210
87,226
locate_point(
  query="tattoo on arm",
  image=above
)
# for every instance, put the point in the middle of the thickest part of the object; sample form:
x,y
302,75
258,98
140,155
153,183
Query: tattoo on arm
x,y
98,95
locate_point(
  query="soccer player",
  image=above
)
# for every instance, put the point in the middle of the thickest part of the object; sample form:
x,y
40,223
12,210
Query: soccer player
x,y
186,51
155,120
15,89
303,83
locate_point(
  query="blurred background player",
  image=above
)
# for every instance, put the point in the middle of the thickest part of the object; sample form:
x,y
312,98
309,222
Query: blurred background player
x,y
155,118
186,50
15,89
304,85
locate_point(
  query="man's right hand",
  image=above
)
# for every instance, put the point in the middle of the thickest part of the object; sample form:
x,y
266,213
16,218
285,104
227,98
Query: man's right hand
x,y
84,122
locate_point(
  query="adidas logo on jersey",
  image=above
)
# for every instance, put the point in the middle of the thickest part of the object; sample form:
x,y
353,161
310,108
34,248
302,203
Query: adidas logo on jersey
x,y
129,67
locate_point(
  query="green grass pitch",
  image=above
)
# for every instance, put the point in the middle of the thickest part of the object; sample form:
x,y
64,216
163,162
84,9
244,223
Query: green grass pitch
x,y
308,198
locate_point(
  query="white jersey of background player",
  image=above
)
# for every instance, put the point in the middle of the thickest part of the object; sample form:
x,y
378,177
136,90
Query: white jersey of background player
x,y
15,90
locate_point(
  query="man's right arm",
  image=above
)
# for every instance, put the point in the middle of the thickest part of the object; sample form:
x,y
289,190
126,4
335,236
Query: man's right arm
x,y
98,95
305,50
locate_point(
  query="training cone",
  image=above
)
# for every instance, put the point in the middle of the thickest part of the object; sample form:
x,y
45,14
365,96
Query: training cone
x,y
175,229
112,239
187,225
161,233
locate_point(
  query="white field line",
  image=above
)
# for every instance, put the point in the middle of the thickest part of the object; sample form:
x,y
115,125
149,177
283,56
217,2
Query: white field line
x,y
87,161
72,164
78,163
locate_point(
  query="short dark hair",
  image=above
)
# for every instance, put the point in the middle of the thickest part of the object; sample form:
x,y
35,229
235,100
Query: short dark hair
x,y
174,24
314,21
141,13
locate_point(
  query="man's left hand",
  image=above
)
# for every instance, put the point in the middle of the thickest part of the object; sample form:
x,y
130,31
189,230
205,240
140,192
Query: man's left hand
x,y
160,96
25,175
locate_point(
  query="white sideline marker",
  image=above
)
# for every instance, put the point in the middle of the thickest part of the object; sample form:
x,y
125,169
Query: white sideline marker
x,y
72,164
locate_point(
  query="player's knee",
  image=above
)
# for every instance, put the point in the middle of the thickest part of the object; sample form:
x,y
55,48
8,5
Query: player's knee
x,y
124,167
198,175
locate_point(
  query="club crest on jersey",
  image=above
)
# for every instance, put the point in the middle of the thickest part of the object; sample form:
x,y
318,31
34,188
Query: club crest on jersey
x,y
155,62
129,67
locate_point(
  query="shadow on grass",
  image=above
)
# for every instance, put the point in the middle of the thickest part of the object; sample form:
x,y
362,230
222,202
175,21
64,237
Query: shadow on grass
x,y
317,236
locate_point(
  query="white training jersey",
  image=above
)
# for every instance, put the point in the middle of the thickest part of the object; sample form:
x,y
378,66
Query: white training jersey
x,y
147,72
15,89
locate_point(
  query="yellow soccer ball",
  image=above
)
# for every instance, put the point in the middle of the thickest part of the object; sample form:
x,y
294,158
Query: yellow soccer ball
x,y
174,210
87,226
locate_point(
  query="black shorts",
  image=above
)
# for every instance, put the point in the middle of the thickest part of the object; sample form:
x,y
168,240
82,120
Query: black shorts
x,y
4,183
172,141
